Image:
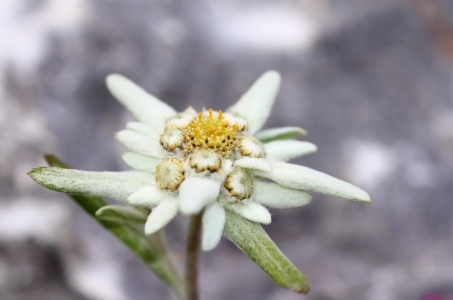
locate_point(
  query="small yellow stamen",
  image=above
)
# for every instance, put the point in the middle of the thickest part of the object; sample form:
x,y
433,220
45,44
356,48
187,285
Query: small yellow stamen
x,y
195,129
235,127
212,133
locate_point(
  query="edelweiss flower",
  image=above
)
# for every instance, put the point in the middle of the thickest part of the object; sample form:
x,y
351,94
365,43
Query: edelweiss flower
x,y
210,160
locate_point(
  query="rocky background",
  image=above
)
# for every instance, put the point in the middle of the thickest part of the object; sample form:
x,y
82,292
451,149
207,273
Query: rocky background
x,y
370,80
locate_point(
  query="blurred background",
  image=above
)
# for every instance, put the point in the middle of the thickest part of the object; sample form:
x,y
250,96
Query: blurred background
x,y
371,81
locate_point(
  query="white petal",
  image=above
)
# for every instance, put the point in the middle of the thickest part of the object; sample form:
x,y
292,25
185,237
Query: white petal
x,y
274,195
252,211
303,178
143,106
256,104
213,223
140,143
114,185
285,150
148,196
143,129
281,133
141,162
161,215
196,193
258,164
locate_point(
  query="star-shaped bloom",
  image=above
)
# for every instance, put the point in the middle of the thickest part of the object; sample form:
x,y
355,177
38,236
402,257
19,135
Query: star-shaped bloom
x,y
208,161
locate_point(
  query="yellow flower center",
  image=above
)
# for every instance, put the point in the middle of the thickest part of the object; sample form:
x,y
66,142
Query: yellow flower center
x,y
212,132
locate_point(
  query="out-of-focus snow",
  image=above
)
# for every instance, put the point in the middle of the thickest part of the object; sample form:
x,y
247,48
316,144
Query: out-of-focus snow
x,y
96,275
23,31
35,219
443,124
370,162
273,28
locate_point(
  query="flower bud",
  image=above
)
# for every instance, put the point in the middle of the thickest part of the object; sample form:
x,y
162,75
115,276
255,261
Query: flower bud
x,y
170,173
203,160
239,184
171,139
251,147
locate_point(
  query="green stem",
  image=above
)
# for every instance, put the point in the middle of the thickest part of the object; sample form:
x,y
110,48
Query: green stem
x,y
192,250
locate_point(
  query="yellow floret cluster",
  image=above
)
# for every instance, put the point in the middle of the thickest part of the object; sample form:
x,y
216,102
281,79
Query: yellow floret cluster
x,y
211,133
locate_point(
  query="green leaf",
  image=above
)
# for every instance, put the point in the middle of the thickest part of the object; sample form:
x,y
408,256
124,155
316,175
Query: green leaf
x,y
280,133
127,226
122,214
251,238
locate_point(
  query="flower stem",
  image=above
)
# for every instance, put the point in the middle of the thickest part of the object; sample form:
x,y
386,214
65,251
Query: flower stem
x,y
192,250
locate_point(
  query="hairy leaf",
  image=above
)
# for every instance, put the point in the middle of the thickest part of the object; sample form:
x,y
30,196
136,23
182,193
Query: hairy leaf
x,y
251,238
281,133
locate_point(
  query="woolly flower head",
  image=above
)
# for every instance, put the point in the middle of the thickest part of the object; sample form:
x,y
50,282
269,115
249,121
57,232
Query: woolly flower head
x,y
208,161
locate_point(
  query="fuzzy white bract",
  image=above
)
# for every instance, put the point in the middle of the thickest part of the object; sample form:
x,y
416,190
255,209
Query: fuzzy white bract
x,y
208,161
